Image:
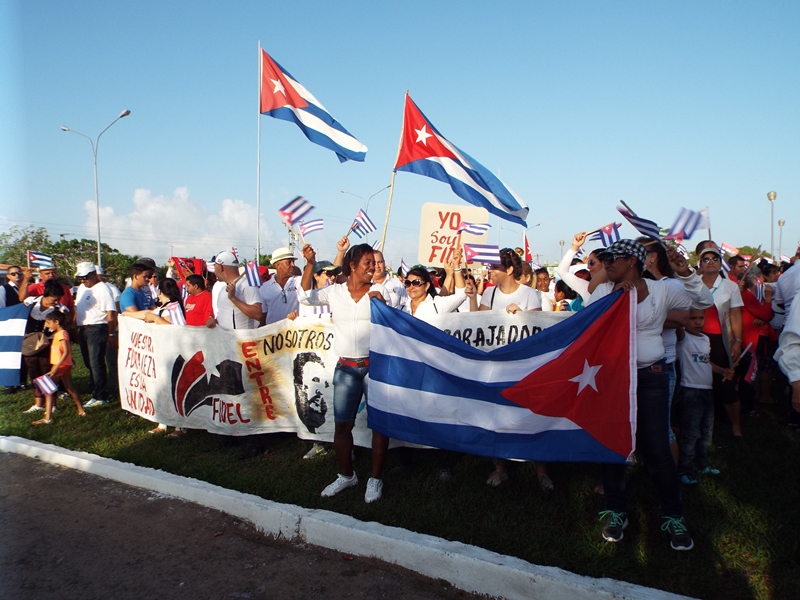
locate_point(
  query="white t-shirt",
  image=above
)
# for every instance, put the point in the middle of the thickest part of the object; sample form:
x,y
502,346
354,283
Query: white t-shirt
x,y
226,313
788,283
397,291
438,305
725,290
351,322
694,353
278,302
525,297
92,303
547,299
650,316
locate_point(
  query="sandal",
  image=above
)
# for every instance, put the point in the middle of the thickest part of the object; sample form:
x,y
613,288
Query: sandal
x,y
175,434
157,430
42,422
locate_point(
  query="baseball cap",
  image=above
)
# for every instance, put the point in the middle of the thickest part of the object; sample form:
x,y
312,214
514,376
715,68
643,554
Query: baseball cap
x,y
99,270
711,250
281,253
628,247
323,265
84,269
226,259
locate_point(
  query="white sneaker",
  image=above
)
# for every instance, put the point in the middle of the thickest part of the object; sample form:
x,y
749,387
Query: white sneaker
x,y
374,490
34,409
341,483
316,450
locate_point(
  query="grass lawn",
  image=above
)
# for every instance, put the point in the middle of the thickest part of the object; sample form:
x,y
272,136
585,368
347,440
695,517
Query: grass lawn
x,y
745,522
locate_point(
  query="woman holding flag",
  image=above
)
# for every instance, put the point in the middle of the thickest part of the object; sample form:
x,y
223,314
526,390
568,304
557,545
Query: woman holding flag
x,y
624,263
350,305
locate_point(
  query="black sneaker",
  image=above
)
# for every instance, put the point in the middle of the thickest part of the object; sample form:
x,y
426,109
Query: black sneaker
x,y
615,523
679,538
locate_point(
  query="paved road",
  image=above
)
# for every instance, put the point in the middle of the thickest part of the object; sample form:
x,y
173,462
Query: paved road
x,y
66,534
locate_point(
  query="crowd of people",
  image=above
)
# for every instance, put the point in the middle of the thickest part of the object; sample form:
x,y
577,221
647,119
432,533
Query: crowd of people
x,y
707,338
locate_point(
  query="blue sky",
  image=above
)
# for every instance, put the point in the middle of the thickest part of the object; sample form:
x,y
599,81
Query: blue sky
x,y
575,105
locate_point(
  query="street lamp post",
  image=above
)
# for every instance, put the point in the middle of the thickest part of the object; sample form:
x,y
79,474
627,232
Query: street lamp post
x,y
95,143
771,197
561,243
781,223
366,202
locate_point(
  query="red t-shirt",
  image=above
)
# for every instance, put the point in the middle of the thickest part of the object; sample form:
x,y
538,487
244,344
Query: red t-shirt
x,y
198,308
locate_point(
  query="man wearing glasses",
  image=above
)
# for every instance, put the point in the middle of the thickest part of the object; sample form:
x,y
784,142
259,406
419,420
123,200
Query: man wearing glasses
x,y
10,292
96,317
279,294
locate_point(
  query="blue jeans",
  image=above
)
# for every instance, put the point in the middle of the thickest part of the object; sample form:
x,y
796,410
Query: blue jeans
x,y
697,422
93,341
349,384
652,443
672,377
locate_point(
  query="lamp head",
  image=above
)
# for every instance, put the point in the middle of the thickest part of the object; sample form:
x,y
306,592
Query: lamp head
x,y
124,113
64,128
771,196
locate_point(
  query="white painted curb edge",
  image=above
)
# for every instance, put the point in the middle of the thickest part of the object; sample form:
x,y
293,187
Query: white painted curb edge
x,y
467,567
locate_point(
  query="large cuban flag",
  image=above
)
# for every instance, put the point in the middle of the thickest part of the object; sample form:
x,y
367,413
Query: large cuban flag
x,y
285,98
12,329
425,151
567,393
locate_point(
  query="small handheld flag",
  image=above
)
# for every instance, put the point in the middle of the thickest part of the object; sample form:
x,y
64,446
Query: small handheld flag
x,y
176,316
481,253
607,235
45,385
362,225
728,249
251,272
527,248
40,259
310,227
687,222
295,210
473,228
643,226
404,268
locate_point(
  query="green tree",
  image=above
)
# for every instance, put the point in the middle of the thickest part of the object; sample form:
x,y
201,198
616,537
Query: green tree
x,y
756,253
15,243
68,253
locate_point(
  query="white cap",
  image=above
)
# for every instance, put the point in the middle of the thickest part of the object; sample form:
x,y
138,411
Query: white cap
x,y
84,269
226,259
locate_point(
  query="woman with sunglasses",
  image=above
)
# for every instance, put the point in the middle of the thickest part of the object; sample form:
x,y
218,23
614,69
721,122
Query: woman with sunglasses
x,y
423,301
656,303
725,330
594,265
507,293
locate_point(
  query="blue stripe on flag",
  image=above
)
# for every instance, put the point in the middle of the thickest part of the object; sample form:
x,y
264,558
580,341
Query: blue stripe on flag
x,y
12,329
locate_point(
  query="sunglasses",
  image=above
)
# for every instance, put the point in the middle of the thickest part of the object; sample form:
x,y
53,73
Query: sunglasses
x,y
15,274
414,282
707,259
610,258
592,262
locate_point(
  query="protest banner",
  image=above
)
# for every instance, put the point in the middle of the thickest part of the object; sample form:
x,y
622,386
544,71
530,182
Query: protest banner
x,y
278,378
438,231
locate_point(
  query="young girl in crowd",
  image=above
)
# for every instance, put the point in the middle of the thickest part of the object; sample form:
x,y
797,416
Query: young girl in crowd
x,y
61,361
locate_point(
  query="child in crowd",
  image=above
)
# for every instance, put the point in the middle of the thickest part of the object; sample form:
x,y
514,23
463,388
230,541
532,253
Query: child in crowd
x,y
696,399
61,364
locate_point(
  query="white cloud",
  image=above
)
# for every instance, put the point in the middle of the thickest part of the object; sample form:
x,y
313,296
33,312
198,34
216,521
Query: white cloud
x,y
156,222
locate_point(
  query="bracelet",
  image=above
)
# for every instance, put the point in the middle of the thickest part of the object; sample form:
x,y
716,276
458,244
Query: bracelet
x,y
737,340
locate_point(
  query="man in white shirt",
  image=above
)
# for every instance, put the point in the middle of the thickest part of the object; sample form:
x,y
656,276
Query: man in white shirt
x,y
397,291
96,317
236,304
279,293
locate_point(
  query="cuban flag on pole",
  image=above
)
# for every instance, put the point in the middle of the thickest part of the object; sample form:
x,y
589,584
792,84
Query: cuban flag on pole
x,y
298,208
527,248
362,224
425,151
311,226
728,249
404,268
12,329
40,259
251,272
282,97
473,228
687,222
643,226
45,385
482,253
607,235
567,393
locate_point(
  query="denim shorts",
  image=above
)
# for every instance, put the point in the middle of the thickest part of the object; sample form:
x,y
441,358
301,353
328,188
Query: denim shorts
x,y
349,384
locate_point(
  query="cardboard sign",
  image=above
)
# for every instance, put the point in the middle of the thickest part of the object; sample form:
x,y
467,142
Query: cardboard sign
x,y
437,231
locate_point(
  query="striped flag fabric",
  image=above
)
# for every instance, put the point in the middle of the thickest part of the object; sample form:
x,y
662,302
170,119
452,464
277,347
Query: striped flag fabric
x,y
481,253
251,272
682,251
687,222
362,225
527,248
12,329
283,97
643,226
728,249
376,245
607,234
298,208
404,268
579,253
176,316
785,258
567,393
473,228
45,385
310,227
425,151
40,259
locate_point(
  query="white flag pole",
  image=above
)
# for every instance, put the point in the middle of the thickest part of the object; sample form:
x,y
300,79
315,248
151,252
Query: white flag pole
x,y
394,173
258,158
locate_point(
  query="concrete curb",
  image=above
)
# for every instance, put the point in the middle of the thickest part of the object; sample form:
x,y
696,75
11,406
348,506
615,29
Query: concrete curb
x,y
467,567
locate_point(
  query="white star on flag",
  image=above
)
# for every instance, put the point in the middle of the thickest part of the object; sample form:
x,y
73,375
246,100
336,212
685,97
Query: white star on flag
x,y
278,87
587,377
422,135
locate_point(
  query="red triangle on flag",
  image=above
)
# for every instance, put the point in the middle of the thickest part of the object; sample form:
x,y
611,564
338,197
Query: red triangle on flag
x,y
589,383
528,255
276,89
419,140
